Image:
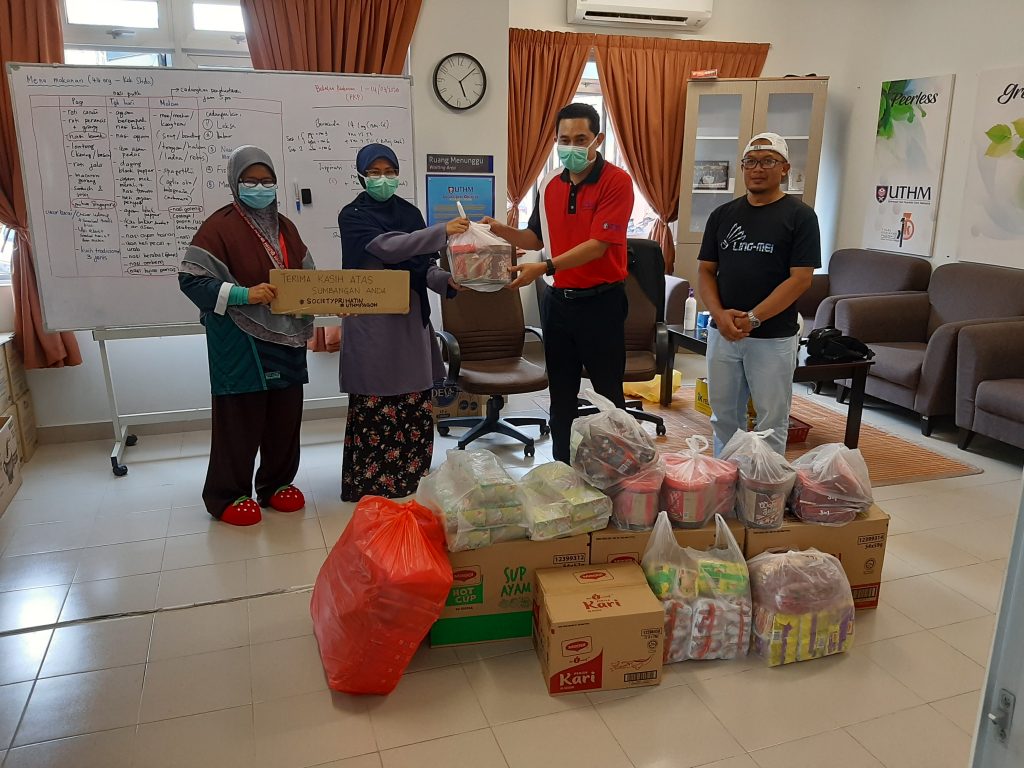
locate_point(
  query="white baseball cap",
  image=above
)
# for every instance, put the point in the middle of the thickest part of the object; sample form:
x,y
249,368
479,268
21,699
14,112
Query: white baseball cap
x,y
775,143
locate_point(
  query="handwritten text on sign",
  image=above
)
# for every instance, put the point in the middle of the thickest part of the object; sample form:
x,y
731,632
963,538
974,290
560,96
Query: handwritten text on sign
x,y
340,291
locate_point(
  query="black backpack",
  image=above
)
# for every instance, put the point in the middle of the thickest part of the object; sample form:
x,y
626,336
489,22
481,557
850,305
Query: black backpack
x,y
829,345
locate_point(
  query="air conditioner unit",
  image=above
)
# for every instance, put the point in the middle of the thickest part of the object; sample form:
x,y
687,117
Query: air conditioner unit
x,y
683,15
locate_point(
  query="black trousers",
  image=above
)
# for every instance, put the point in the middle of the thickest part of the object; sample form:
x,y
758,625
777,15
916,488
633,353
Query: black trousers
x,y
267,422
582,333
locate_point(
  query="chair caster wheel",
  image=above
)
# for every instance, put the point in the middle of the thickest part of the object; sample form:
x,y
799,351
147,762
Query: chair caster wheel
x,y
528,450
131,440
660,429
119,470
545,430
443,431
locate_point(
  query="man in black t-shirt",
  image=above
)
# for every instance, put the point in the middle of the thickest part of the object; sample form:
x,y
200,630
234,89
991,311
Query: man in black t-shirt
x,y
757,258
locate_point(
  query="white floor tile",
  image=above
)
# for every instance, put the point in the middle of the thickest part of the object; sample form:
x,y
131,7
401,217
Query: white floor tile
x,y
123,527
116,560
431,658
964,710
105,749
31,607
881,623
84,703
222,544
363,761
202,629
647,729
191,685
204,583
476,749
401,718
836,749
929,667
286,668
191,519
311,729
222,739
98,645
972,638
49,537
986,540
929,603
894,567
110,597
915,738
277,617
43,570
478,651
981,583
21,655
296,569
511,688
927,551
577,738
12,704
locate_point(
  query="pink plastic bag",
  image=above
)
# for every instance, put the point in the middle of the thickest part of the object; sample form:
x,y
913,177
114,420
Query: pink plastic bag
x,y
381,588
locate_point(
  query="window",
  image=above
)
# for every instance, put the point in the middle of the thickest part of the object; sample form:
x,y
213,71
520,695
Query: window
x,y
6,254
589,92
179,33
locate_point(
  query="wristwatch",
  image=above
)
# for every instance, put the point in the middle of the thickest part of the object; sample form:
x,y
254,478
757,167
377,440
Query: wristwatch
x,y
550,267
754,322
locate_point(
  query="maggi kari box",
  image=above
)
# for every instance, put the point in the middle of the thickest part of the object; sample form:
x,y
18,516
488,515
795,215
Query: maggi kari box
x,y
614,546
859,545
597,628
492,590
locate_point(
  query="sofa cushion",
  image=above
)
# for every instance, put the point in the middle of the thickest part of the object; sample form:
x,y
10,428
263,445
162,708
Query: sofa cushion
x,y
970,291
899,362
1002,397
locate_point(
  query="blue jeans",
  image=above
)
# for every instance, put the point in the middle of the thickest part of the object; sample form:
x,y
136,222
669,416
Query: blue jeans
x,y
761,369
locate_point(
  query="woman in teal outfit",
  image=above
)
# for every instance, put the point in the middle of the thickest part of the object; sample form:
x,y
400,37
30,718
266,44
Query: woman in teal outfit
x,y
257,359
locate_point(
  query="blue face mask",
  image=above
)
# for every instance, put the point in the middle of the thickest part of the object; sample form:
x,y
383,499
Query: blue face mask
x,y
257,197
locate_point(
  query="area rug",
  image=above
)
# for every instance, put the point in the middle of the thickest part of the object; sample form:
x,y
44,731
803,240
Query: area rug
x,y
891,460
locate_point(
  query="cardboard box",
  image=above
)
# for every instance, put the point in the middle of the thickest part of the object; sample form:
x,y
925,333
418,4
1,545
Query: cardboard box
x,y
614,546
859,545
27,426
450,402
6,398
10,463
597,628
18,381
492,594
340,291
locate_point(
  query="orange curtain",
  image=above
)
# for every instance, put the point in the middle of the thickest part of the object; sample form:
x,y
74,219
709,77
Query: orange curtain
x,y
30,31
644,85
352,36
544,70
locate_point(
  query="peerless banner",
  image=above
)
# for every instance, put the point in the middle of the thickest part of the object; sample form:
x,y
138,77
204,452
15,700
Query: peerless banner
x,y
992,224
910,144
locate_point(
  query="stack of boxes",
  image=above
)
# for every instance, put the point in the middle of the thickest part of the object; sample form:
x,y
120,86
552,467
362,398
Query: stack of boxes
x,y
15,398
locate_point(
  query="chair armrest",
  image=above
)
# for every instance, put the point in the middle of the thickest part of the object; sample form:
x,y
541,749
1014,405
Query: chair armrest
x,y
677,290
809,301
896,317
535,331
452,352
826,314
661,345
986,351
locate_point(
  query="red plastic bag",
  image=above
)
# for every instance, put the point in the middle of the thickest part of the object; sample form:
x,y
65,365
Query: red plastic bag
x,y
381,588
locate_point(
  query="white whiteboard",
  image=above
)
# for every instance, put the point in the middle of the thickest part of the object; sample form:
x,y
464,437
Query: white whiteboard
x,y
121,166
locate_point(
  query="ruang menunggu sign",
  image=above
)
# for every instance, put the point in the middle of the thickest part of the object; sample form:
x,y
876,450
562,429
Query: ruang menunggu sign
x,y
910,148
340,291
992,222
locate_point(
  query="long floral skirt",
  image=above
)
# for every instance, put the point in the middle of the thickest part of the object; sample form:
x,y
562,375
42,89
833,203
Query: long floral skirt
x,y
389,442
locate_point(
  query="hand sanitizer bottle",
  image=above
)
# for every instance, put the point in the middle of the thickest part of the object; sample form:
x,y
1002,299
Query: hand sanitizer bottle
x,y
690,313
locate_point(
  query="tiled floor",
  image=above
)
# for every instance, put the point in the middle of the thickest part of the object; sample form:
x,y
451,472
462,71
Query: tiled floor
x,y
238,681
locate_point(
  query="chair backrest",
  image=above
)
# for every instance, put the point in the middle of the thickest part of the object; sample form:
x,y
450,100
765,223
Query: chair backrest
x,y
859,270
969,291
645,291
488,326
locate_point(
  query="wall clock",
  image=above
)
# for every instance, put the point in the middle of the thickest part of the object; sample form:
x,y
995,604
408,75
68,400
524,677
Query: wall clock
x,y
460,81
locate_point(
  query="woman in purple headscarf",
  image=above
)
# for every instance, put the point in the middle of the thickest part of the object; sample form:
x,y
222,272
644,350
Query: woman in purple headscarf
x,y
389,362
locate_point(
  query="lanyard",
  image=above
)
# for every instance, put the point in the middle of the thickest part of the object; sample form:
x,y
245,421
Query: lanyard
x,y
277,260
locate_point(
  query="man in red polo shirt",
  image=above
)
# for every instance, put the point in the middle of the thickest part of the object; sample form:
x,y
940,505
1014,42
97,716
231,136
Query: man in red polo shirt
x,y
580,220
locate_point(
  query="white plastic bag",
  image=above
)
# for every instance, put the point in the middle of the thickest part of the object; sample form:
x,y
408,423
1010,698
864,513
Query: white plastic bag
x,y
479,259
706,595
559,503
697,486
610,445
765,479
478,502
803,606
832,485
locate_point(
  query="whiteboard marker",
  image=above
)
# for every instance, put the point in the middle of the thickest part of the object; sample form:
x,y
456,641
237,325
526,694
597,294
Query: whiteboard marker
x,y
298,197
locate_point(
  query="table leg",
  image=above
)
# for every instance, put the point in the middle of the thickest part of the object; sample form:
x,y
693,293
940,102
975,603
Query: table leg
x,y
666,375
856,407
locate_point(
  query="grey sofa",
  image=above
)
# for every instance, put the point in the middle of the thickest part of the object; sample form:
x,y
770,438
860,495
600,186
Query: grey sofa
x,y
990,382
914,335
860,272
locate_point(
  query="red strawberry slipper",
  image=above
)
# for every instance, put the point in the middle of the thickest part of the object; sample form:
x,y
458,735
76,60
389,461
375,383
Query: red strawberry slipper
x,y
288,498
244,511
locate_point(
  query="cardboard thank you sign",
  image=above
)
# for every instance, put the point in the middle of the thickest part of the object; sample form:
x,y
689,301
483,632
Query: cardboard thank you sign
x,y
340,291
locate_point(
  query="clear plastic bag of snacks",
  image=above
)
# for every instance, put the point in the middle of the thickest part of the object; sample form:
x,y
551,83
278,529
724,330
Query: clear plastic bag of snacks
x,y
765,479
697,486
609,445
832,485
559,503
480,259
